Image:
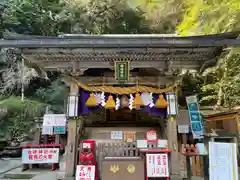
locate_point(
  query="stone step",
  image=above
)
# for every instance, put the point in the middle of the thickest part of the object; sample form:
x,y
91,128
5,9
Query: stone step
x,y
14,179
18,176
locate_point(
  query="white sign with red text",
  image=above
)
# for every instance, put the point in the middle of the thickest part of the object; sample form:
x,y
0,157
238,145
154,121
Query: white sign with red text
x,y
85,172
157,165
40,155
151,135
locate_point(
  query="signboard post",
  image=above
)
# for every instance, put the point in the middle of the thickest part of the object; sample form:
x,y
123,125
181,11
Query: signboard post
x,y
85,172
116,135
54,124
157,165
183,129
223,161
195,117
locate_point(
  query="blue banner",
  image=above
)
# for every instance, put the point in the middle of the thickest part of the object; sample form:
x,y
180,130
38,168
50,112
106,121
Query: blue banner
x,y
195,117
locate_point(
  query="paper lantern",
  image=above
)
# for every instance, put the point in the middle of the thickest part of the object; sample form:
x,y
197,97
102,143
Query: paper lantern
x,y
138,100
172,103
110,104
92,101
161,102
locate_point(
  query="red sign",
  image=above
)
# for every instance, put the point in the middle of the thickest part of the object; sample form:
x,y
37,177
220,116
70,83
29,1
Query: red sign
x,y
157,165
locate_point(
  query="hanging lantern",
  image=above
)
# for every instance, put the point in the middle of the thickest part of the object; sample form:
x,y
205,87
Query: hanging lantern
x,y
110,104
161,102
138,100
92,101
172,108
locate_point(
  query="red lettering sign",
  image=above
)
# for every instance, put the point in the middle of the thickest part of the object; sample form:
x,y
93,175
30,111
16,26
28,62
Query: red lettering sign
x,y
30,157
158,166
44,156
49,156
85,172
35,157
40,157
158,160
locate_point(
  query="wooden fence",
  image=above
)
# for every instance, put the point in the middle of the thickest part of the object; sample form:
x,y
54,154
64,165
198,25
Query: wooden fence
x,y
197,163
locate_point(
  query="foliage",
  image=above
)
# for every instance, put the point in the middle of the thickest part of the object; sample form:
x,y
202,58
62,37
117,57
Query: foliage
x,y
221,83
20,115
36,17
54,96
14,73
210,17
56,17
163,16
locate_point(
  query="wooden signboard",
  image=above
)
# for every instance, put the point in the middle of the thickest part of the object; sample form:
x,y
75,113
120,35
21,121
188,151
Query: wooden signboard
x,y
119,169
130,136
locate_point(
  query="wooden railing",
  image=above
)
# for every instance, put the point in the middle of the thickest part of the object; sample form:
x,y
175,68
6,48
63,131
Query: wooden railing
x,y
196,161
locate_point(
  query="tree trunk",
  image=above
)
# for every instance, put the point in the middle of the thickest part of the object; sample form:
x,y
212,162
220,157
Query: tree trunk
x,y
219,97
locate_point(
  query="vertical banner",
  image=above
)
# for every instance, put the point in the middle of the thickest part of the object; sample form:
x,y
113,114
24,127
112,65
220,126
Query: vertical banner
x,y
195,117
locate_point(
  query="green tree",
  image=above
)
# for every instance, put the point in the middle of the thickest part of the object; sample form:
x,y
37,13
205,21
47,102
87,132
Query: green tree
x,y
221,83
162,16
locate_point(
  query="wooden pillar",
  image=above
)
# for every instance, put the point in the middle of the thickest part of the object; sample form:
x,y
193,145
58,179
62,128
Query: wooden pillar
x,y
71,148
57,139
72,131
37,135
173,145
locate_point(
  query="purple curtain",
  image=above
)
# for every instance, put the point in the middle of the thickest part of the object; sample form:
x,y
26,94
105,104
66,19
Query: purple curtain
x,y
83,109
155,111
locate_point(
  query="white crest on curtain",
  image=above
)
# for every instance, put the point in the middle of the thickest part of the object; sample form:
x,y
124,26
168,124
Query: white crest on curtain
x,y
117,103
98,98
131,102
146,98
103,99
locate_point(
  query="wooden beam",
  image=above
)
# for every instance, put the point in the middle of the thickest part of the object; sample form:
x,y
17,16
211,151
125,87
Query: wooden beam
x,y
121,124
87,64
110,57
148,80
117,42
116,50
222,117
